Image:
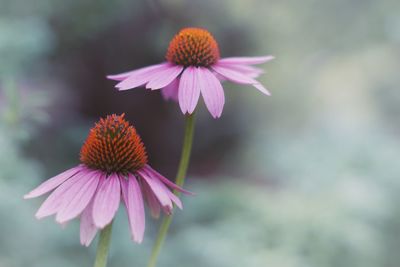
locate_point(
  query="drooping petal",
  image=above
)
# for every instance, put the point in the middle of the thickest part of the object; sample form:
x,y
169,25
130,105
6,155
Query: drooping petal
x,y
171,195
246,60
171,90
106,201
212,92
238,77
165,180
233,75
53,182
261,88
250,71
54,201
189,91
77,197
152,201
158,191
142,76
88,229
133,200
164,77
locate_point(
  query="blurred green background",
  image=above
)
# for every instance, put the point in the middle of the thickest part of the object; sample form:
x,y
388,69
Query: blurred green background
x,y
308,177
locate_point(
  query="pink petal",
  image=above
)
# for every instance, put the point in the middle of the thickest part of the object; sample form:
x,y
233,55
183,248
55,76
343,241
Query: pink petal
x,y
233,75
164,77
53,182
172,196
142,76
159,176
54,201
87,228
250,71
261,88
238,77
171,90
158,191
189,90
106,201
124,75
133,199
152,201
212,91
77,197
246,60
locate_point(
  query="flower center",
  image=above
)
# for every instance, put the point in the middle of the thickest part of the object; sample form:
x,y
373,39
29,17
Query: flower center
x,y
113,146
193,47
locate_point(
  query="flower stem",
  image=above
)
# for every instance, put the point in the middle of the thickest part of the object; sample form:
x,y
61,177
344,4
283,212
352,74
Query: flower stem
x,y
103,246
180,180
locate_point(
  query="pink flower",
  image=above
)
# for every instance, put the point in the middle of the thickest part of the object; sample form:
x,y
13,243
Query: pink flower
x,y
194,66
114,166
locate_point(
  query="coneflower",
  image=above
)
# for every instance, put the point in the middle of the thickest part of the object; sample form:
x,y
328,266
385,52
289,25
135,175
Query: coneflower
x,y
113,167
194,66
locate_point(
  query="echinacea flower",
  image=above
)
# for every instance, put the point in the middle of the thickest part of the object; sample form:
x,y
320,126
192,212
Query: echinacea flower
x,y
113,166
194,66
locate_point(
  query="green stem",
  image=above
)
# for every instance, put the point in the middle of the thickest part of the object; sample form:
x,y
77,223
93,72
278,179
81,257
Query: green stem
x,y
103,246
180,180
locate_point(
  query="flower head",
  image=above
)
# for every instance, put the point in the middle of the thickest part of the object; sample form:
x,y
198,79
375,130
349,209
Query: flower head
x,y
194,67
114,146
113,166
193,47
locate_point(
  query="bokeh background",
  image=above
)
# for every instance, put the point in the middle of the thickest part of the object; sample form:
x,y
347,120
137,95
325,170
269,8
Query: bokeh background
x,y
308,177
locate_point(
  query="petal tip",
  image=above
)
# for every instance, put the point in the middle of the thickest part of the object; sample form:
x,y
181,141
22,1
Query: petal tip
x,y
27,196
267,93
60,221
85,243
216,116
137,240
100,225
